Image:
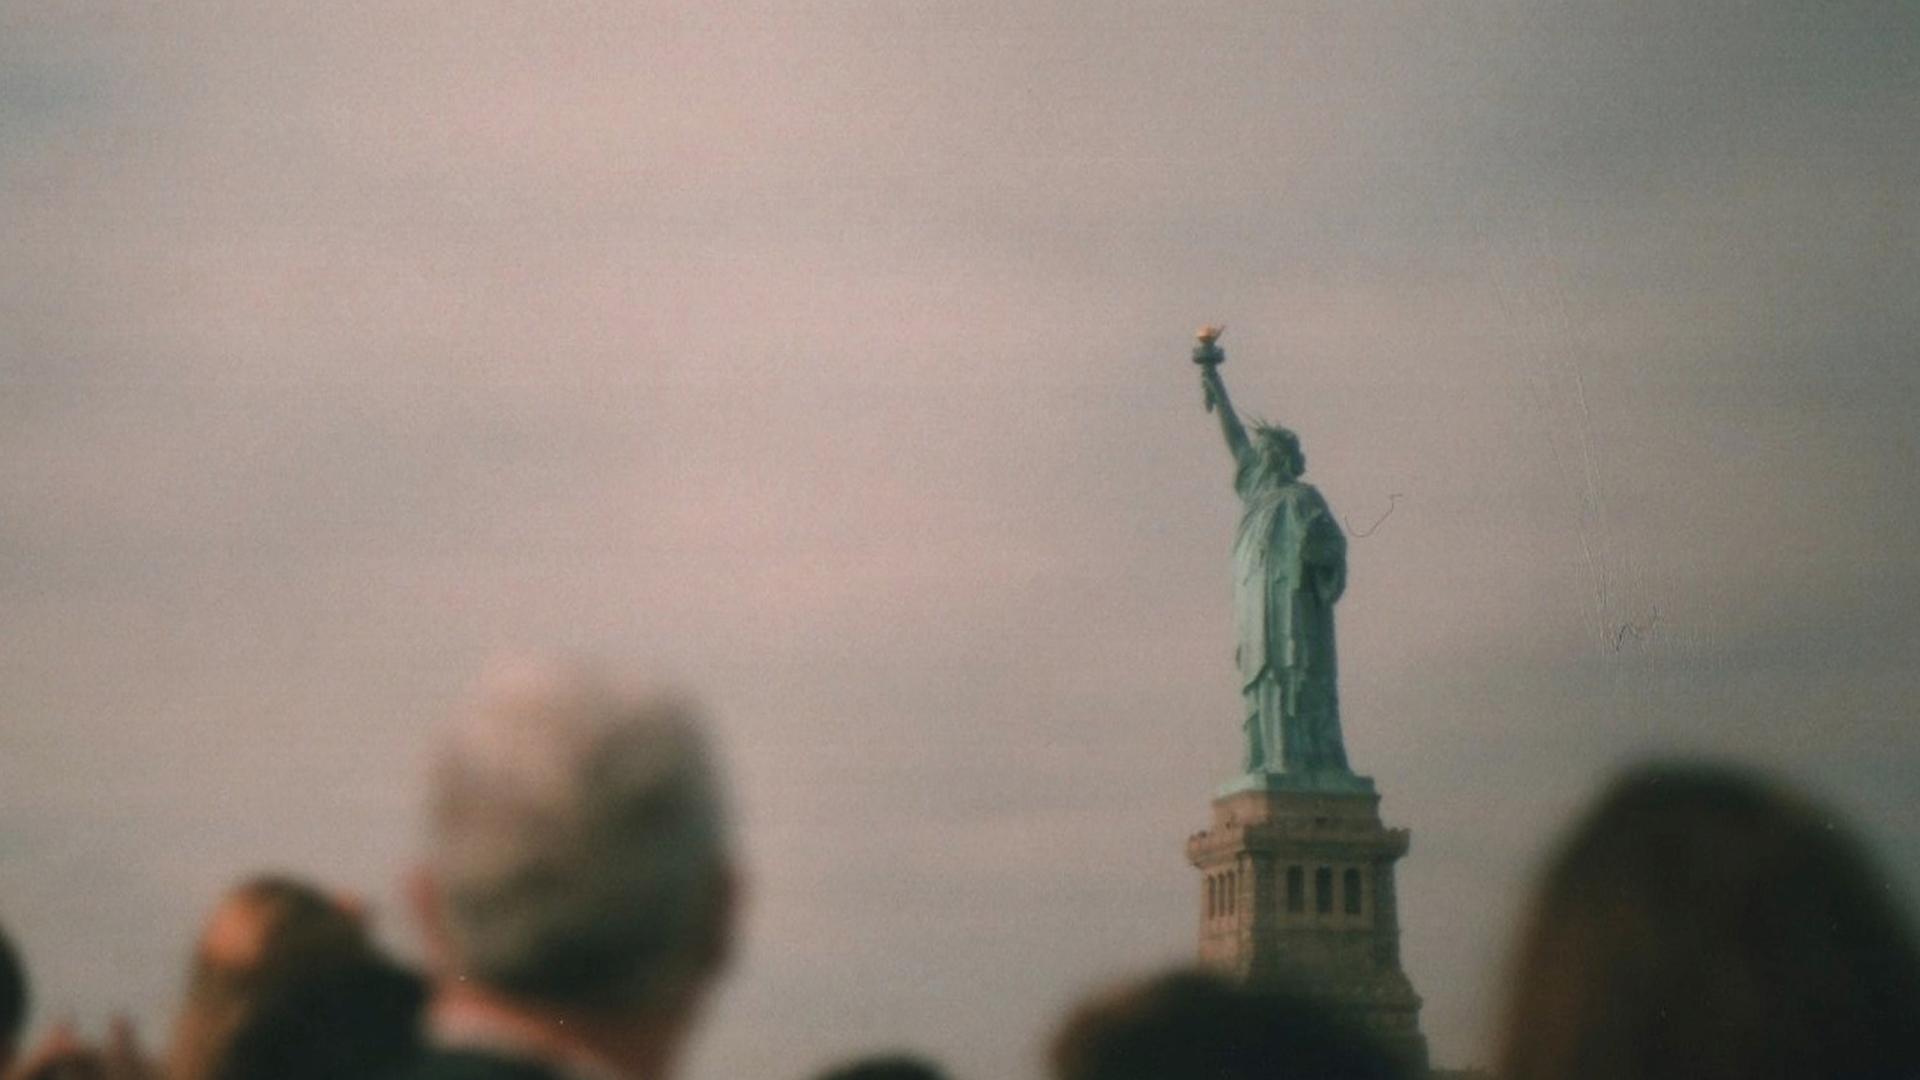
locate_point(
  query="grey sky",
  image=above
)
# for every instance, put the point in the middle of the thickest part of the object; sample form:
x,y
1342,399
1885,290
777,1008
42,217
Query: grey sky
x,y
830,359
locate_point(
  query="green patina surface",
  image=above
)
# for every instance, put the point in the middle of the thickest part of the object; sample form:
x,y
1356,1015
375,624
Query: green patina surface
x,y
1290,568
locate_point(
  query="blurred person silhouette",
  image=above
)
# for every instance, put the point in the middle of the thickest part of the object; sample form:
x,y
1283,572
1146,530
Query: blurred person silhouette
x,y
265,934
889,1066
14,1000
1703,923
353,1018
1195,1024
577,892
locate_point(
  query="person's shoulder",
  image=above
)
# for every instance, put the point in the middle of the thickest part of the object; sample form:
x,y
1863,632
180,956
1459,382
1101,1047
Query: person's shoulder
x,y
470,1065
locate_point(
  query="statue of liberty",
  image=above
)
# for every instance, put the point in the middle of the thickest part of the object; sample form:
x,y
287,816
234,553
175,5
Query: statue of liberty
x,y
1290,567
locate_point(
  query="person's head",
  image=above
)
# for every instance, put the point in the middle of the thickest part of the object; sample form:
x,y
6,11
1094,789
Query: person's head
x,y
262,934
271,922
885,1067
357,1018
1703,923
577,857
1192,1024
13,1001
1281,449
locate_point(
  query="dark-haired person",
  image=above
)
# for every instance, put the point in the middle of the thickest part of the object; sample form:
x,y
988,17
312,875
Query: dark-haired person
x,y
13,1001
1191,1024
1702,923
263,935
359,1017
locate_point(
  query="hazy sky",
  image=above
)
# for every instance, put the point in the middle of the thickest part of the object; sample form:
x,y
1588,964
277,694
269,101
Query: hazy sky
x,y
830,359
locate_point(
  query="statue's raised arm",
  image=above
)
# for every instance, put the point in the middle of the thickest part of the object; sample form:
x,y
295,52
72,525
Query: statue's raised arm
x,y
1210,356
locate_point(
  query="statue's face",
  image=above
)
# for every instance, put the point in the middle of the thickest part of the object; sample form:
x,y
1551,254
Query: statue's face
x,y
1282,454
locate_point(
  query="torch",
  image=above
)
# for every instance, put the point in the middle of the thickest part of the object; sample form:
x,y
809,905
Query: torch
x,y
1209,355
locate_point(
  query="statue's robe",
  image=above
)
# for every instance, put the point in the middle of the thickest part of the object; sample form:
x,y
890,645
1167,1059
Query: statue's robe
x,y
1290,566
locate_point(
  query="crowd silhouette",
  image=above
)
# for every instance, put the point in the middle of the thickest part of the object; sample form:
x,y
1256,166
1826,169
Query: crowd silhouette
x,y
577,899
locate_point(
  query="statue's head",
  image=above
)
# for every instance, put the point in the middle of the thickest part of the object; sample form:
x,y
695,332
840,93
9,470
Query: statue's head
x,y
1280,448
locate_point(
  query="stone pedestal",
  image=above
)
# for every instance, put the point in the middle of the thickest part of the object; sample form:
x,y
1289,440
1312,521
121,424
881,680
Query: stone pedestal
x,y
1297,886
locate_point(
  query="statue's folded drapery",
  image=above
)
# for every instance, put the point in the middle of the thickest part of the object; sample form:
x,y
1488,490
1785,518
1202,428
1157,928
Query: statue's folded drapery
x,y
1290,566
